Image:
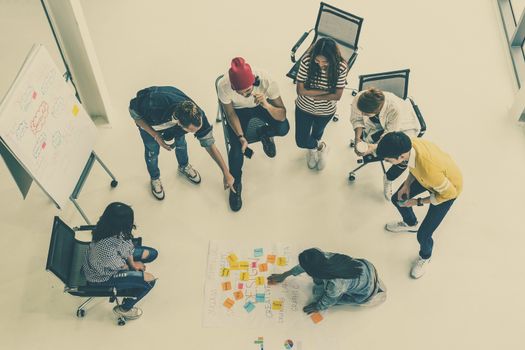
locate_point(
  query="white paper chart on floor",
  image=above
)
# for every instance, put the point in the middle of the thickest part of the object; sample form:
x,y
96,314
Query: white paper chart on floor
x,y
237,291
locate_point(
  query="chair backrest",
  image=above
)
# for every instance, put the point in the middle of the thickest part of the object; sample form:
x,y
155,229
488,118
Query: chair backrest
x,y
66,254
339,25
395,82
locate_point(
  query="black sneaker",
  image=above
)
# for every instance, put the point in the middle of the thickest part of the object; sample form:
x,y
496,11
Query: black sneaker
x,y
267,141
235,197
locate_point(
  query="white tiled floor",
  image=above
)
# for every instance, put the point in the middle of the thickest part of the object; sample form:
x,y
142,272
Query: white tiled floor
x,y
471,297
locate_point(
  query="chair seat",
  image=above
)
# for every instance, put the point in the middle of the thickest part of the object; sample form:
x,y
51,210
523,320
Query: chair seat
x,y
98,291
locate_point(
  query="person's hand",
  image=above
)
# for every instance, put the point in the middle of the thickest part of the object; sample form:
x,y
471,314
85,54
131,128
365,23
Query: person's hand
x,y
261,100
276,278
139,266
311,308
356,142
403,193
408,203
244,143
161,142
228,181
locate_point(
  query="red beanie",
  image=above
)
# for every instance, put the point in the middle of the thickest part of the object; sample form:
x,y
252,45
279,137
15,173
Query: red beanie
x,y
241,76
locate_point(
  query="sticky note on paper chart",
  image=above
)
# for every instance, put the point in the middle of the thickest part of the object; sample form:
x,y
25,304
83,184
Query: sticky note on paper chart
x,y
254,264
228,303
225,272
75,110
281,261
244,265
234,265
249,306
259,298
263,267
240,285
270,259
244,276
316,317
238,295
258,252
260,280
226,285
232,258
277,305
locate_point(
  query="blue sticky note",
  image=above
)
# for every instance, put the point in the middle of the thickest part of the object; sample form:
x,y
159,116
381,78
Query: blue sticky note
x,y
249,306
258,252
259,297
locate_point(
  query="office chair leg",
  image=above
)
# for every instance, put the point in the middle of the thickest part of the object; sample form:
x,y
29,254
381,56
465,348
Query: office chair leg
x,y
352,175
81,312
383,166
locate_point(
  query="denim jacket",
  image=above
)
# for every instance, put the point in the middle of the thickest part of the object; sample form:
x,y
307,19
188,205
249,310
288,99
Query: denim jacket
x,y
343,291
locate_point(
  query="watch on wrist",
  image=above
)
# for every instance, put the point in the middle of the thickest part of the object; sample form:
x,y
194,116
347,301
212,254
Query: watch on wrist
x,y
420,202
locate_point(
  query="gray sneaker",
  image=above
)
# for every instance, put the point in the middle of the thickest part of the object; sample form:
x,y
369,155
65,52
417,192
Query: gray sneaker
x,y
190,173
321,163
131,314
157,190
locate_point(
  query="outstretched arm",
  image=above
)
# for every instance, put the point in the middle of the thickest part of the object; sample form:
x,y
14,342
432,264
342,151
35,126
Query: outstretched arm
x,y
215,154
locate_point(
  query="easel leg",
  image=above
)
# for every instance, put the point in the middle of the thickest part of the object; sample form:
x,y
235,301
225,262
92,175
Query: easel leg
x,y
114,181
80,210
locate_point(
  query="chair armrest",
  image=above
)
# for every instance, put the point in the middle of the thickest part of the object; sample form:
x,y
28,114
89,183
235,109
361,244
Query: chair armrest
x,y
297,44
84,228
420,118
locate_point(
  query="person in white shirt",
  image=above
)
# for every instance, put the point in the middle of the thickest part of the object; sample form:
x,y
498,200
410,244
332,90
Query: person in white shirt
x,y
376,113
245,94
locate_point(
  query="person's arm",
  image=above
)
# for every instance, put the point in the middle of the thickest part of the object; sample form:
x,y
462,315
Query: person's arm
x,y
275,106
215,154
336,96
153,133
391,119
332,293
135,265
280,277
235,124
404,191
442,188
301,90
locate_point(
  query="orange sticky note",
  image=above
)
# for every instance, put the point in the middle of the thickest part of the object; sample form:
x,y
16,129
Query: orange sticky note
x,y
244,265
75,110
277,305
226,285
234,265
270,259
225,272
238,295
281,261
260,280
316,317
228,303
263,267
232,258
244,276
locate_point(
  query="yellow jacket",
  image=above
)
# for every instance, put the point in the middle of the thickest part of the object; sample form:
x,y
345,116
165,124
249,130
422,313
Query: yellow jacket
x,y
435,170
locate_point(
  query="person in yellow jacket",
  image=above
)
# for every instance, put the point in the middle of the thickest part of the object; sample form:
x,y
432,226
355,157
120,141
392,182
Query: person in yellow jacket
x,y
431,170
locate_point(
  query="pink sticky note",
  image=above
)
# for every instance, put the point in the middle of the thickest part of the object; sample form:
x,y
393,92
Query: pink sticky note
x,y
254,263
240,286
44,145
34,95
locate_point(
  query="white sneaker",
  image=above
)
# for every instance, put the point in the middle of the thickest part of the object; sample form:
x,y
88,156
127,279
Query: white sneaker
x,y
312,157
419,266
190,173
157,190
321,163
131,314
401,226
387,188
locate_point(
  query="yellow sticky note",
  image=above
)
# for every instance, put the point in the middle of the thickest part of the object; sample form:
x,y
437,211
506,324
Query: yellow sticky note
x,y
245,276
225,272
75,110
270,259
228,303
234,266
232,258
244,265
226,285
263,267
277,305
238,295
281,261
260,280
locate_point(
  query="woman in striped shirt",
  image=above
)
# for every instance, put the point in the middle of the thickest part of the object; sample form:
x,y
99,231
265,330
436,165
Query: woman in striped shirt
x,y
320,83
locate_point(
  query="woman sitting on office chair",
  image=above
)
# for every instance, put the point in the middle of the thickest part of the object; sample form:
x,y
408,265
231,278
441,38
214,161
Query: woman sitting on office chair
x,y
113,260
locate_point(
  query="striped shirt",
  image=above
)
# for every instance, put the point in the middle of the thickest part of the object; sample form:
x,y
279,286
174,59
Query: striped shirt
x,y
313,106
105,258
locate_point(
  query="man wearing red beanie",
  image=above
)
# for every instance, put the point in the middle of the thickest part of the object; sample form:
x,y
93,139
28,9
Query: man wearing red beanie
x,y
245,94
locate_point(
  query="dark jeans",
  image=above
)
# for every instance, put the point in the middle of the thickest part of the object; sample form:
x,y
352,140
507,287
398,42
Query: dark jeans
x,y
273,128
395,170
435,214
309,128
133,281
152,149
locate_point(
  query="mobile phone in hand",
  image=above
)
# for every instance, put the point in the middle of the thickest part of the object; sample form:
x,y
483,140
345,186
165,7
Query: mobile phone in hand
x,y
248,153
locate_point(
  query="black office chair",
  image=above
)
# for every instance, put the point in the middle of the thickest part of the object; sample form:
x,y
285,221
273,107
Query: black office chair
x,y
334,23
395,82
253,124
65,258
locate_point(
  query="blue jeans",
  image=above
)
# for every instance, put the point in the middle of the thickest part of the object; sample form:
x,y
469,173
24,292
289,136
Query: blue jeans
x,y
309,128
152,149
132,281
435,214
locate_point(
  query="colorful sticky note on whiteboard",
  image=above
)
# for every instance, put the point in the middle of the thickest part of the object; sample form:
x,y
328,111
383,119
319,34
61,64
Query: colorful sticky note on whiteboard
x,y
257,252
316,317
254,264
232,258
260,280
238,295
259,297
225,272
34,95
244,265
270,259
228,303
263,267
244,276
240,285
277,305
249,306
281,261
75,110
226,285
234,265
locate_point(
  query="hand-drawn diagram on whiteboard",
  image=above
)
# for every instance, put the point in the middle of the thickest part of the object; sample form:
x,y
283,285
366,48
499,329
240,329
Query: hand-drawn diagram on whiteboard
x,y
237,292
45,127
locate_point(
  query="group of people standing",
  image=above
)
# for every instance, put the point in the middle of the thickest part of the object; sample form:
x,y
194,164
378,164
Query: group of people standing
x,y
382,126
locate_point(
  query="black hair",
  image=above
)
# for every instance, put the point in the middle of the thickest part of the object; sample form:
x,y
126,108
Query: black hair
x,y
316,265
393,145
370,100
187,113
328,48
117,220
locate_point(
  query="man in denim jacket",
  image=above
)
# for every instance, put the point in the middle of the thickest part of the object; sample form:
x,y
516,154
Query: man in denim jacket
x,y
164,113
